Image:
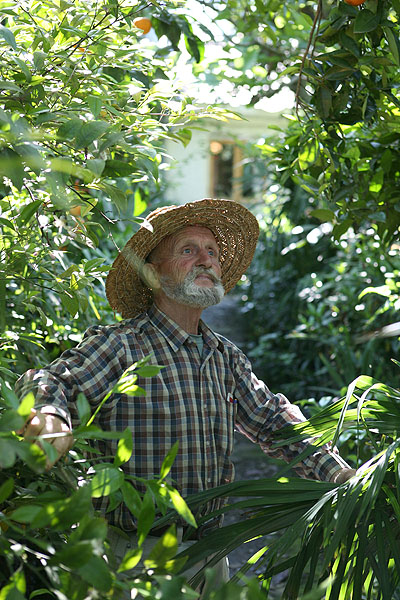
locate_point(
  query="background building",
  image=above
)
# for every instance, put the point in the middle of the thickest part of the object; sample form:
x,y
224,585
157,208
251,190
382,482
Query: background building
x,y
214,163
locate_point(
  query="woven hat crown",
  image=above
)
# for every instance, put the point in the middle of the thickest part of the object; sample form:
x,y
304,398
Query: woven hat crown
x,y
234,227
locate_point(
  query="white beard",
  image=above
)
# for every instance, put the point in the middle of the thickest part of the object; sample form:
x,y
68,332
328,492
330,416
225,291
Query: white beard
x,y
189,293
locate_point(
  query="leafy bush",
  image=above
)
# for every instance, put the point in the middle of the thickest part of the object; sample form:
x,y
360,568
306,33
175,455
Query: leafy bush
x,y
313,303
86,104
53,542
336,541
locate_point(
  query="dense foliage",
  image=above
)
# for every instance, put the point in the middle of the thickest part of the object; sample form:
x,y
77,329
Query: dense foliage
x,y
86,103
342,63
337,542
316,308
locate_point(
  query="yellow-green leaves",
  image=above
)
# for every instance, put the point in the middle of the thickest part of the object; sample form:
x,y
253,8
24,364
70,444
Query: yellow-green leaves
x,y
106,480
125,447
308,154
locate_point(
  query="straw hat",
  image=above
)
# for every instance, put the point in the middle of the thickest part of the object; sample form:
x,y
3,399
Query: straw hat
x,y
234,227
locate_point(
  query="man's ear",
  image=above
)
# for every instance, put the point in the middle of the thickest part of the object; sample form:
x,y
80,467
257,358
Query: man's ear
x,y
150,277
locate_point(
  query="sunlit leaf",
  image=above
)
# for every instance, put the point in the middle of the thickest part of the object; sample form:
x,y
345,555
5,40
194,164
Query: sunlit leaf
x,y
365,21
146,517
181,507
106,481
169,460
125,447
165,549
130,560
132,498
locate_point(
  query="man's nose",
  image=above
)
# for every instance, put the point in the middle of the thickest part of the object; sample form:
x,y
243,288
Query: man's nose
x,y
204,258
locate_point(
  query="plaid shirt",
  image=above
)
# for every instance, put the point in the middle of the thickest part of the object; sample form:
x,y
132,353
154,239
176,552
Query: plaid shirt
x,y
199,401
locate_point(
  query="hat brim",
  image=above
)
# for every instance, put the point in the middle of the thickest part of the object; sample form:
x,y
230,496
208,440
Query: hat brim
x,y
235,229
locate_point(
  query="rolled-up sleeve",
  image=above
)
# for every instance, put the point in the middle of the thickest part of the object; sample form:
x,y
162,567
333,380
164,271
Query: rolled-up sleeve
x,y
260,413
91,368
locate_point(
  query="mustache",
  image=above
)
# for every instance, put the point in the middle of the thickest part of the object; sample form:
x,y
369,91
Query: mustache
x,y
196,271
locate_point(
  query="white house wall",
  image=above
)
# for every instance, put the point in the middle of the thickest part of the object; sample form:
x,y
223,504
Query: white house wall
x,y
189,177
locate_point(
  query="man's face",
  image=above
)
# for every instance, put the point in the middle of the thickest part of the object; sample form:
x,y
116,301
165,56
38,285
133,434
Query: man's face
x,y
188,265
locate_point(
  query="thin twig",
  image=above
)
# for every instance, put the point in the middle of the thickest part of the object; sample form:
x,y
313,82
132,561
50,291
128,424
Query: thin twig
x,y
310,39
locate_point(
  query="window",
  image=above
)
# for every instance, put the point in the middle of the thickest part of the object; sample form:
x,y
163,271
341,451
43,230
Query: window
x,y
231,174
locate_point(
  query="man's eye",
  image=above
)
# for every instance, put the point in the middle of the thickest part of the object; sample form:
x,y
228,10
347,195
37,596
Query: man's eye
x,y
186,251
211,252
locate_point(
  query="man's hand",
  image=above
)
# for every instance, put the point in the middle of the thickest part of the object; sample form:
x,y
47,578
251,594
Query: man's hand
x,y
343,475
40,423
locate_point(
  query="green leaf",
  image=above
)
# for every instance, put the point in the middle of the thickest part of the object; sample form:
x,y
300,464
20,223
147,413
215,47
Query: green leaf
x,y
8,36
70,129
7,223
195,47
32,455
349,43
131,498
26,514
95,103
28,211
341,228
106,481
11,166
323,101
125,447
8,85
394,44
27,403
11,420
97,573
181,507
382,290
307,182
165,549
49,450
6,489
365,21
70,302
92,528
145,518
83,408
140,204
376,182
39,592
130,560
308,154
8,395
149,370
62,514
73,555
324,215
24,68
169,460
89,132
96,165
38,59
115,194
119,168
337,73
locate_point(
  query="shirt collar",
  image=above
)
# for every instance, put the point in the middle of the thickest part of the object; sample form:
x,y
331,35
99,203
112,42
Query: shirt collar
x,y
174,334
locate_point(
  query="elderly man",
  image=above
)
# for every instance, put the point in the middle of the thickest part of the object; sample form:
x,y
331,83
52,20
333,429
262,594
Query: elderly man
x,y
182,260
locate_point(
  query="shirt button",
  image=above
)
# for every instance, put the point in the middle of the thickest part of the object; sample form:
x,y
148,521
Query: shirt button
x,y
208,442
209,480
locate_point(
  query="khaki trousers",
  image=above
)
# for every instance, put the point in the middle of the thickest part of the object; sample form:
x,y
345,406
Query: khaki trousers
x,y
120,544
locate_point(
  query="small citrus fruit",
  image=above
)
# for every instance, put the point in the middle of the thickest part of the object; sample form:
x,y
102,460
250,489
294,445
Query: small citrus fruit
x,y
354,2
143,23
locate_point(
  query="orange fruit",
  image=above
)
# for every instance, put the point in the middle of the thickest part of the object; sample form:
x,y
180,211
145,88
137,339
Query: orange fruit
x,y
143,23
354,2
